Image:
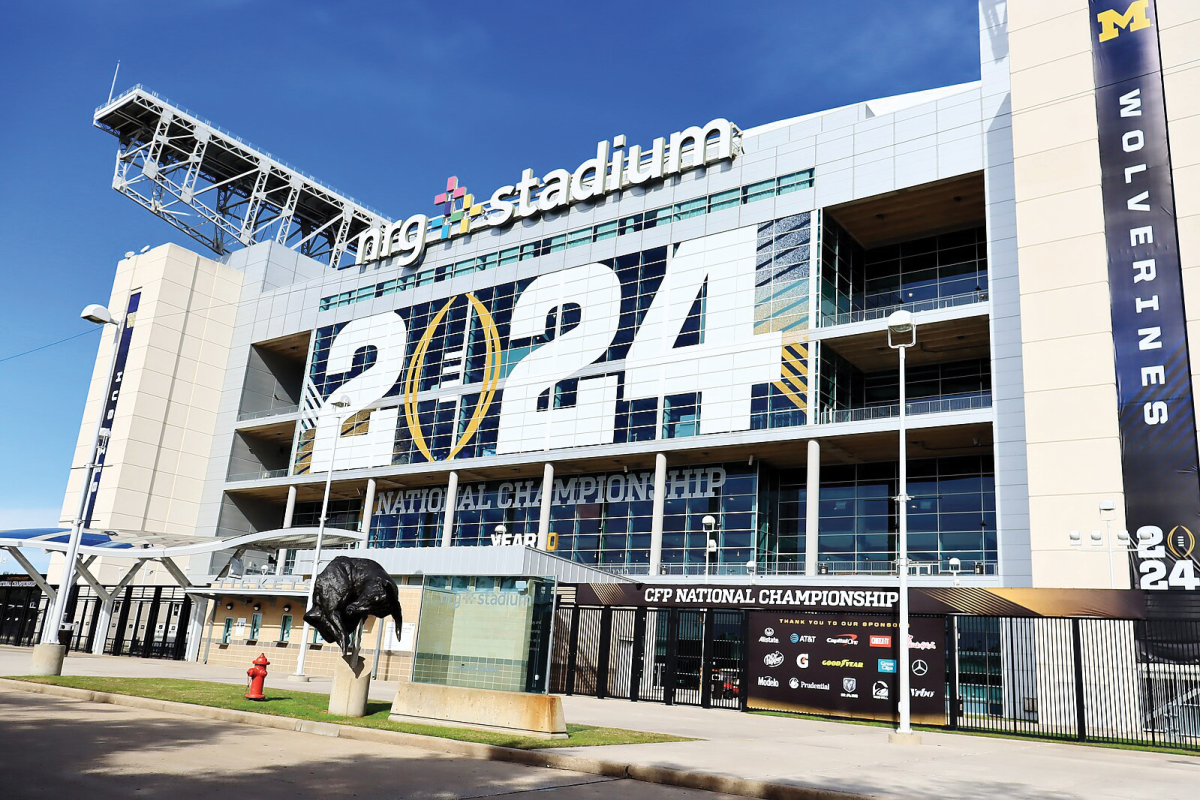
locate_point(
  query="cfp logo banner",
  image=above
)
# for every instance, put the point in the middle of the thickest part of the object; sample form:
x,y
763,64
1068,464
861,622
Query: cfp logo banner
x,y
1156,552
561,328
1113,22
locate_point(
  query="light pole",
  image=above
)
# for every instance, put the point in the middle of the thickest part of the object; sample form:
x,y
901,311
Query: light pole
x,y
1108,510
48,655
902,334
338,405
709,524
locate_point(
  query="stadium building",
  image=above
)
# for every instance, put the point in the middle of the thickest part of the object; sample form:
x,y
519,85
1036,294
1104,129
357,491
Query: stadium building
x,y
669,363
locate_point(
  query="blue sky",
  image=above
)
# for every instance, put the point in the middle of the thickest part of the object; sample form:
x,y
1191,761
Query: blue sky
x,y
382,101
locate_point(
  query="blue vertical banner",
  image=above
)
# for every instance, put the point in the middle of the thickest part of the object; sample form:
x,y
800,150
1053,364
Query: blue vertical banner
x,y
1154,390
109,410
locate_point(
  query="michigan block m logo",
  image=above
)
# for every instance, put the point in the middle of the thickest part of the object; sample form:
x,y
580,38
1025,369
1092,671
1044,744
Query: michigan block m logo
x,y
1112,22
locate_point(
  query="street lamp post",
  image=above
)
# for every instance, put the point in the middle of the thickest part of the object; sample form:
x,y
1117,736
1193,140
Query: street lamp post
x,y
48,654
709,524
902,334
338,405
1108,510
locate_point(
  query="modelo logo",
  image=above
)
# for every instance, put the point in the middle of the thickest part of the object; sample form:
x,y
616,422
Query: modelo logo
x,y
843,638
845,662
767,680
773,659
881,641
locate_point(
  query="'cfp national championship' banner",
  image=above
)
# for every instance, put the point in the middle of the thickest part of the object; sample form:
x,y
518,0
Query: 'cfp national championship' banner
x,y
1154,395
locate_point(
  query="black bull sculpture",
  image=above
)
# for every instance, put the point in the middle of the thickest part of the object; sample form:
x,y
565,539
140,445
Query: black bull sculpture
x,y
347,592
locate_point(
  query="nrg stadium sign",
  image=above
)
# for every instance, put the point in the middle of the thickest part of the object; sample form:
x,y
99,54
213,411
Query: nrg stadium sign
x,y
611,170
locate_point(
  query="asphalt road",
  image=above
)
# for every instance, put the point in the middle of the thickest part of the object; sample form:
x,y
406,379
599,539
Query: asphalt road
x,y
64,749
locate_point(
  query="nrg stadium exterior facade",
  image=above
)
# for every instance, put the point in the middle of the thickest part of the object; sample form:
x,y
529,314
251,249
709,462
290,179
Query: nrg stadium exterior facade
x,y
685,341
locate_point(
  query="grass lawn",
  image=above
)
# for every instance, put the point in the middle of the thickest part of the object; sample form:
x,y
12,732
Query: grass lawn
x,y
286,702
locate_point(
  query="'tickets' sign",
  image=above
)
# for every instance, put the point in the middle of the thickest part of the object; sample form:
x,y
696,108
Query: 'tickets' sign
x,y
845,665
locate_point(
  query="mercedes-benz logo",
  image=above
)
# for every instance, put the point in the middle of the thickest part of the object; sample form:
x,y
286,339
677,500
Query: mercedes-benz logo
x,y
919,667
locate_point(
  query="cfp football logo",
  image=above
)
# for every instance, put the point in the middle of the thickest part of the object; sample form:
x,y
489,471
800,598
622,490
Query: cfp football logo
x,y
1181,542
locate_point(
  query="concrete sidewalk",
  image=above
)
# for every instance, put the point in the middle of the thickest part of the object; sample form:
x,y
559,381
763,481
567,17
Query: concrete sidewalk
x,y
812,754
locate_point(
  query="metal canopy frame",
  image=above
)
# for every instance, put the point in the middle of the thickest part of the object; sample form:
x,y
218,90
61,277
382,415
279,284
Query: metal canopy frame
x,y
221,190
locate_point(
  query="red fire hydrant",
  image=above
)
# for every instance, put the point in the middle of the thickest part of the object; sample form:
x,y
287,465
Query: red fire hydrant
x,y
258,676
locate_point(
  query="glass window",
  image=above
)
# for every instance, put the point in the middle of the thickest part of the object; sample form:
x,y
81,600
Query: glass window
x,y
255,625
285,628
227,632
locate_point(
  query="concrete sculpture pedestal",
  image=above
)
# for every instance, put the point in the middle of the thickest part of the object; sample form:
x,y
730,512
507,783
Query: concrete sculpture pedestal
x,y
351,684
47,659
539,715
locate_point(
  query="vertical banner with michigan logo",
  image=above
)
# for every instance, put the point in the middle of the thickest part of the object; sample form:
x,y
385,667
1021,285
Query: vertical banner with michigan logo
x,y
1154,393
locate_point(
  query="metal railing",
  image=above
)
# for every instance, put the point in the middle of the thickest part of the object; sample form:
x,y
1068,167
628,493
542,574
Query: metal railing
x,y
268,412
865,314
258,475
936,405
832,567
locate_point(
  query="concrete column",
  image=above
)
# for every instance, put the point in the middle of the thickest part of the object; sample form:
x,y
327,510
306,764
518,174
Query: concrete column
x,y
103,620
812,511
448,515
289,511
367,512
544,512
656,521
196,626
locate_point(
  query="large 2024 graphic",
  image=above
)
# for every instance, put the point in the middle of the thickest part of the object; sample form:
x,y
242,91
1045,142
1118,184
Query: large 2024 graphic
x,y
1166,561
724,366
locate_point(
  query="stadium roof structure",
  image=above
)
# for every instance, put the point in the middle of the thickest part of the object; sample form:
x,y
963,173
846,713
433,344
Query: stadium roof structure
x,y
220,189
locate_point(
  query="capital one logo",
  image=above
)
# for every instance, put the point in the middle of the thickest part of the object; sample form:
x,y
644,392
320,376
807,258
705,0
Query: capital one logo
x,y
1112,21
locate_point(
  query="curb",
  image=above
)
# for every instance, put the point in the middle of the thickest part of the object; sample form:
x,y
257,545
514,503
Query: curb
x,y
668,776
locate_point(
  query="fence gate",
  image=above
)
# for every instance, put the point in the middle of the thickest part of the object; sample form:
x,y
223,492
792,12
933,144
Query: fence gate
x,y
683,656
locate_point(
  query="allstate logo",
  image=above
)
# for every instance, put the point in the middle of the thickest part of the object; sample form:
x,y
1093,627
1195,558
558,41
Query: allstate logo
x,y
769,632
491,376
1181,542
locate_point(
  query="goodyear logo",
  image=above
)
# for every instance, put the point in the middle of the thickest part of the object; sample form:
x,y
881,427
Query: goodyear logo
x,y
1134,18
1181,542
491,376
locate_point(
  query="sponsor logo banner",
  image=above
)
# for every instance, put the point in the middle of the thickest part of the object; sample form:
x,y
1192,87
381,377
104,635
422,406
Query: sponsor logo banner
x,y
1154,391
814,666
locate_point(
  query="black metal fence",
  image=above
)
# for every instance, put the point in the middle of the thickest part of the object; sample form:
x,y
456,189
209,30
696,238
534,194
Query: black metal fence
x,y
145,621
1092,680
